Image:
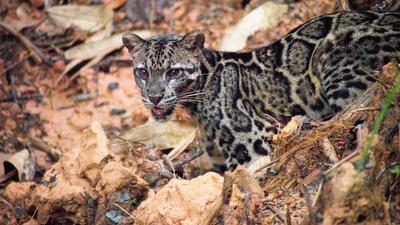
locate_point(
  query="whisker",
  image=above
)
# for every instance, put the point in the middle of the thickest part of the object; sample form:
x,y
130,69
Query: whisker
x,y
190,95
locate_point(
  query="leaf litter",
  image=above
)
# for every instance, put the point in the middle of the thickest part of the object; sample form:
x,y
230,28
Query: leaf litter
x,y
90,109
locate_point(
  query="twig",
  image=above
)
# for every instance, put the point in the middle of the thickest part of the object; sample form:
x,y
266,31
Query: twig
x,y
227,188
249,221
22,97
53,153
8,175
277,213
9,205
362,134
321,184
347,158
182,146
37,55
15,63
180,163
226,194
124,210
162,172
328,149
393,164
169,163
311,214
266,165
288,219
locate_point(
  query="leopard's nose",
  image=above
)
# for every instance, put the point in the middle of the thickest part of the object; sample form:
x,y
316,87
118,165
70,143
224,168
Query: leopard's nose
x,y
155,99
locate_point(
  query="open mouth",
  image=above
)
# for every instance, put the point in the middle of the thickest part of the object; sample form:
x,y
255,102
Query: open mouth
x,y
162,114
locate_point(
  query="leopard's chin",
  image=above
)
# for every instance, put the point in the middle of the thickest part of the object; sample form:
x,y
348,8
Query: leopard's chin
x,y
162,114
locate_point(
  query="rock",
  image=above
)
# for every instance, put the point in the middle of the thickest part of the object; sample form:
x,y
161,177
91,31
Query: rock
x,y
181,202
246,182
18,193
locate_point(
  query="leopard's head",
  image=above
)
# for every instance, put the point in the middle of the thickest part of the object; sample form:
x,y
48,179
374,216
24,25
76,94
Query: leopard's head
x,y
165,69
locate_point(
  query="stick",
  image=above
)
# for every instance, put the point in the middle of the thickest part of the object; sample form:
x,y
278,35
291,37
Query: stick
x,y
22,97
321,184
223,200
9,205
169,163
53,153
180,163
8,175
37,55
362,135
288,219
311,214
249,221
124,210
328,171
16,63
277,213
177,165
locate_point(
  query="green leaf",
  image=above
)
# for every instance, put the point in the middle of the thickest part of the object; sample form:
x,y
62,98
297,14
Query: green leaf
x,y
395,170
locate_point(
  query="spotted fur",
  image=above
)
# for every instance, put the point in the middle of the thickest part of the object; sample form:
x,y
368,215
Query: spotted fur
x,y
238,98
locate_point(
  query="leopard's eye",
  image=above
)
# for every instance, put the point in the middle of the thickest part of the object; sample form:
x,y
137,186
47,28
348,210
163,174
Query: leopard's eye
x,y
142,74
174,73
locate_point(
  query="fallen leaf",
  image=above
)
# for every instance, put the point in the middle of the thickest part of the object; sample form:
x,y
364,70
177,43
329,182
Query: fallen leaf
x,y
94,147
95,50
25,19
23,161
182,145
265,16
88,18
163,135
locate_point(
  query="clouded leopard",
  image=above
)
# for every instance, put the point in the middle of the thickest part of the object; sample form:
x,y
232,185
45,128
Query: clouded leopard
x,y
237,98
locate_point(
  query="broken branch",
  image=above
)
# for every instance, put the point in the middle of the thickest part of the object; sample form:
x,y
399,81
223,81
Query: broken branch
x,y
37,55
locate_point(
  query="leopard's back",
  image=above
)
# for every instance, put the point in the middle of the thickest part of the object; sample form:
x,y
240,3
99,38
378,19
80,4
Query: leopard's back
x,y
348,63
332,59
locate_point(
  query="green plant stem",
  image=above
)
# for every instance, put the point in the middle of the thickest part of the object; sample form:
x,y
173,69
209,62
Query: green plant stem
x,y
378,122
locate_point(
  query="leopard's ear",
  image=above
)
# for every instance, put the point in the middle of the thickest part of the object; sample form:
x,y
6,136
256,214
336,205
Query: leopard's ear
x,y
193,40
133,41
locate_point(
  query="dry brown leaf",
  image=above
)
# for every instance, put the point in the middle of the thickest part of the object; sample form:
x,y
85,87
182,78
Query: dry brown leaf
x,y
166,135
267,15
93,151
88,18
94,50
25,19
23,161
